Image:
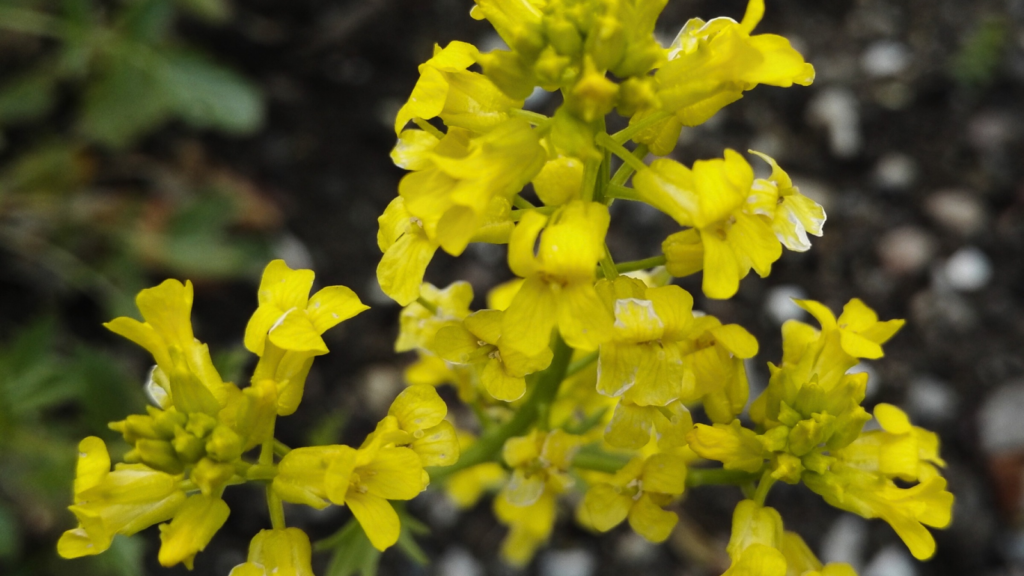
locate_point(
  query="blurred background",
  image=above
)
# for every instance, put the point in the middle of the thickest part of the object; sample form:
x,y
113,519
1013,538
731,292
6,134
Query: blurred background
x,y
146,139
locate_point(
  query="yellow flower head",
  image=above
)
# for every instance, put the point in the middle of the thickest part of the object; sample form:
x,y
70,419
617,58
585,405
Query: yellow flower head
x,y
192,528
125,501
559,286
631,426
639,492
540,462
792,215
418,324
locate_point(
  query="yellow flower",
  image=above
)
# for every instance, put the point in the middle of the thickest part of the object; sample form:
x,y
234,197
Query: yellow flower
x,y
289,318
860,332
285,331
125,501
800,561
724,239
192,528
631,426
793,216
284,552
418,325
468,184
417,414
407,252
540,462
461,98
755,543
711,64
639,491
899,450
184,374
477,341
529,526
559,287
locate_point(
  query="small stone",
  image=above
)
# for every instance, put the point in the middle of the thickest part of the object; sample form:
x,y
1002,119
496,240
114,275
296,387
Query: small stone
x,y
572,562
381,383
457,561
967,270
1001,427
779,305
293,251
845,541
896,172
931,399
836,109
957,210
635,549
906,250
942,310
892,560
886,58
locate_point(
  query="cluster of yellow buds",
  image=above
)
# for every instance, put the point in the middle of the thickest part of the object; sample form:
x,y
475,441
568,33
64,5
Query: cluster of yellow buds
x,y
197,439
582,372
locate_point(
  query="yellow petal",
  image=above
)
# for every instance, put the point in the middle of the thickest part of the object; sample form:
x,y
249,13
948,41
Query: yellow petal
x,y
603,507
283,287
394,474
485,325
583,320
191,529
664,474
418,407
77,543
684,253
332,305
285,551
499,384
439,446
630,427
722,270
650,521
295,332
427,98
401,269
412,151
530,317
378,519
521,258
892,419
501,295
93,464
736,340
259,326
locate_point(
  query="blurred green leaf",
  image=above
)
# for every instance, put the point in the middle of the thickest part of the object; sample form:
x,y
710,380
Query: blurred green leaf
x,y
231,362
210,96
10,534
328,429
27,98
123,103
52,167
353,552
124,558
978,59
147,21
213,11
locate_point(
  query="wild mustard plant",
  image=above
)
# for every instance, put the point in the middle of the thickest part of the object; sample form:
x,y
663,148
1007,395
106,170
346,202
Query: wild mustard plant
x,y
582,379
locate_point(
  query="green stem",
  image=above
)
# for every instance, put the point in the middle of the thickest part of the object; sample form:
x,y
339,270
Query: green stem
x,y
645,264
633,129
717,477
608,265
280,448
619,150
623,193
593,458
534,118
579,365
428,127
487,447
429,306
522,203
763,487
627,169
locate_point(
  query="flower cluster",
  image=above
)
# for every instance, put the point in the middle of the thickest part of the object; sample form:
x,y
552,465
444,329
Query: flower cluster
x,y
195,441
584,376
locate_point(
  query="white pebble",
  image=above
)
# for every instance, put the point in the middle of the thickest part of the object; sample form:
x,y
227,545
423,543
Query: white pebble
x,y
885,58
896,171
381,384
957,210
968,269
836,109
892,560
906,250
573,562
1000,422
457,561
779,303
845,541
931,399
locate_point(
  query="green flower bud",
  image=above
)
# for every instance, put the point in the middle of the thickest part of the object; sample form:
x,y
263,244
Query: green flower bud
x,y
211,476
157,454
224,444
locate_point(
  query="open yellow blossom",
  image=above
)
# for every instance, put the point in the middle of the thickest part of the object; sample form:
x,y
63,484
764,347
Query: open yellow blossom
x,y
125,501
898,450
724,240
184,374
639,491
407,252
285,331
559,286
530,526
477,341
540,462
416,419
461,98
279,552
861,333
631,426
418,324
793,216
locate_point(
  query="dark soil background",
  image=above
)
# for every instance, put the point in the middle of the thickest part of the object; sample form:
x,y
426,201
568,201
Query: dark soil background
x,y
912,137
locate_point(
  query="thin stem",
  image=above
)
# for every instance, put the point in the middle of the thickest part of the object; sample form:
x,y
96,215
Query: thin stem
x,y
627,169
619,150
593,458
763,487
645,264
622,192
429,306
274,505
522,203
517,215
280,448
534,118
717,477
428,127
490,443
581,364
608,265
633,129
